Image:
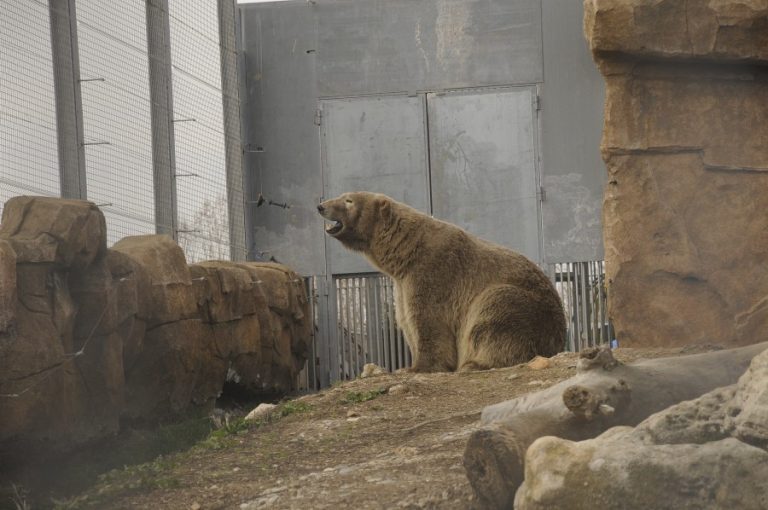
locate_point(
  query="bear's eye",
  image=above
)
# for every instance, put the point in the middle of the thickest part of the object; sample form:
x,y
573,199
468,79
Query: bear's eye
x,y
348,201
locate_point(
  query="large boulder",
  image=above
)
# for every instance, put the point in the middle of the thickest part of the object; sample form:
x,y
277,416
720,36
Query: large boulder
x,y
175,375
266,348
164,282
61,371
128,278
686,239
68,233
711,452
284,295
92,338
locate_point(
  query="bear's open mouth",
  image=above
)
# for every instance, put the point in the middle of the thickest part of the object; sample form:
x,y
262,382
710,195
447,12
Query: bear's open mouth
x,y
334,228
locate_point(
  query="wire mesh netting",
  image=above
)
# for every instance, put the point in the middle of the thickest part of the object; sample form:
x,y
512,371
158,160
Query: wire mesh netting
x,y
116,114
122,103
199,129
28,142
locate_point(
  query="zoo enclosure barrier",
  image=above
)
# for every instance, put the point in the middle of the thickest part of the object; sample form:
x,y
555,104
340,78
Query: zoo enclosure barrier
x,y
365,329
133,105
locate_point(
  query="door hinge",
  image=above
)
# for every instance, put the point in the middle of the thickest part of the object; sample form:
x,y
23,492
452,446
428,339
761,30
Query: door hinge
x,y
541,194
318,117
537,102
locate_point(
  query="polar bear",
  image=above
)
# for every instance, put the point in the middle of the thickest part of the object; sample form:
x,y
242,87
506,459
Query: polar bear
x,y
463,303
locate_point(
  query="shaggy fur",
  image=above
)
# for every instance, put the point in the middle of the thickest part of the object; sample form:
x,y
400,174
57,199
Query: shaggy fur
x,y
463,303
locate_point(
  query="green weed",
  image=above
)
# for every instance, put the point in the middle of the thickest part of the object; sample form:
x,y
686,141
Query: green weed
x,y
356,397
293,407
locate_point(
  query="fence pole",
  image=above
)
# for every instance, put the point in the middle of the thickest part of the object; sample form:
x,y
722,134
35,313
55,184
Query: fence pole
x,y
69,105
160,90
230,88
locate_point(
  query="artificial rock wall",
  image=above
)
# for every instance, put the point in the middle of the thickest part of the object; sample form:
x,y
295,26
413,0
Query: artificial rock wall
x,y
92,337
685,142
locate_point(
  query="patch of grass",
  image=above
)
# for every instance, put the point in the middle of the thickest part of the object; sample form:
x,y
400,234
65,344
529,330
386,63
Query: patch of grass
x,y
130,479
356,397
140,474
223,437
143,446
293,407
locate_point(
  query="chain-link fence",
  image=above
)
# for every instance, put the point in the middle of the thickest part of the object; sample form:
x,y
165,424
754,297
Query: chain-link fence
x,y
133,105
28,156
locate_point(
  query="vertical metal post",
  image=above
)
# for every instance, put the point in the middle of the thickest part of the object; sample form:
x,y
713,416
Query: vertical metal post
x,y
392,328
342,320
372,318
334,335
69,106
310,286
230,88
325,312
388,327
160,90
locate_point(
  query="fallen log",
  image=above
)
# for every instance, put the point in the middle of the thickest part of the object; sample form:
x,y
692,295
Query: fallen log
x,y
707,453
603,394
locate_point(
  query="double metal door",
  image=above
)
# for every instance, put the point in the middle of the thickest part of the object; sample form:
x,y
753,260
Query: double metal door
x,y
468,157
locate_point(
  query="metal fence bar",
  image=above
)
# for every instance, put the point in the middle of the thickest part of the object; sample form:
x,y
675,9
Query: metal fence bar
x,y
341,329
358,319
160,90
391,329
328,348
353,322
350,323
585,302
349,288
368,331
310,287
230,87
69,106
595,296
360,348
371,330
359,329
379,323
376,358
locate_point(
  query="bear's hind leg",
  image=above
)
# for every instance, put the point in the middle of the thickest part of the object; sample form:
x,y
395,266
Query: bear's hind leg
x,y
507,325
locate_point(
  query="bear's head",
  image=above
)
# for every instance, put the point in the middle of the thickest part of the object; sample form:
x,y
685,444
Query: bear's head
x,y
356,217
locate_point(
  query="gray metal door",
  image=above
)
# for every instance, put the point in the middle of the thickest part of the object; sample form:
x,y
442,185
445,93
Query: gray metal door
x,y
373,144
482,148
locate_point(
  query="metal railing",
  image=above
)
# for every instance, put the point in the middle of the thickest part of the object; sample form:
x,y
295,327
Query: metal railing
x,y
363,328
367,331
581,286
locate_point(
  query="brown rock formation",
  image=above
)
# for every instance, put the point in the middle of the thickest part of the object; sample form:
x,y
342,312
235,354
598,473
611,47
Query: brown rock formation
x,y
686,113
90,336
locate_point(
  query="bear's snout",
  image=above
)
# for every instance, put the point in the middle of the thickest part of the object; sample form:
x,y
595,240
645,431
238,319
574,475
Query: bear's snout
x,y
320,208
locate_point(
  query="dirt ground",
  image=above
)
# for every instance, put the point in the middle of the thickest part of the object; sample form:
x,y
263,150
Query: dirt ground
x,y
388,441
